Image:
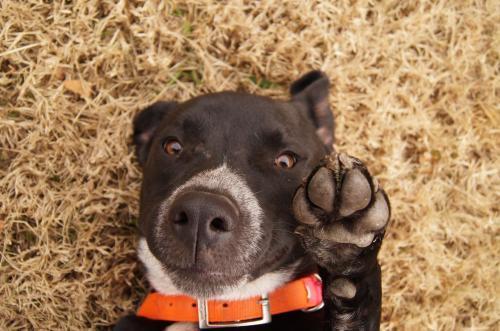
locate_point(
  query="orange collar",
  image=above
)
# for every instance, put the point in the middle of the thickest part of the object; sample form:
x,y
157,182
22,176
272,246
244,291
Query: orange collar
x,y
301,294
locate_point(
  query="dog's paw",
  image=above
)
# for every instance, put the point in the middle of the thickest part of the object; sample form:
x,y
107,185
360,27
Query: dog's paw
x,y
340,203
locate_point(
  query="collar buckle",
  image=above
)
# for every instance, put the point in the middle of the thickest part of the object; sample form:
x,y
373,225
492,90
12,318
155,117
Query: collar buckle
x,y
309,290
204,319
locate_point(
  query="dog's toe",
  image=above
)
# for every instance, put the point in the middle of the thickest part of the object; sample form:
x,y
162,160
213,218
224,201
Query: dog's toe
x,y
355,194
321,189
302,209
376,217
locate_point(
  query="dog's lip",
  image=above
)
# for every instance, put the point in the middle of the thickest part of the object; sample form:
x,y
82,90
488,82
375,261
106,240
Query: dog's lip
x,y
203,271
196,271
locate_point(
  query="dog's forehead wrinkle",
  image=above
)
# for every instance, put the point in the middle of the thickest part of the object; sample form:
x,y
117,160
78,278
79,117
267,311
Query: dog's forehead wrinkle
x,y
225,127
248,109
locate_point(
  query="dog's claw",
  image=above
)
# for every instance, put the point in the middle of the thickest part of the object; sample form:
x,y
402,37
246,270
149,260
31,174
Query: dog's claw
x,y
342,196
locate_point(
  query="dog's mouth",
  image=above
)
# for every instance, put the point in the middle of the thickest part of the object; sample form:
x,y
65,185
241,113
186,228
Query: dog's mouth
x,y
196,281
204,272
215,280
196,272
204,283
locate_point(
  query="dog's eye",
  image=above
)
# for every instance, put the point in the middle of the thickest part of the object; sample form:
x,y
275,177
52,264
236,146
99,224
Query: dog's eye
x,y
286,160
172,146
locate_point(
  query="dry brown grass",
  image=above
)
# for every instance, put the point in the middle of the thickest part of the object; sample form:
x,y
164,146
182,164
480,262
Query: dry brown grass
x,y
415,92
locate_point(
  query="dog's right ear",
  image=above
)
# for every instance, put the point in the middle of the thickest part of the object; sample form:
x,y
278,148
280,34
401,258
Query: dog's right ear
x,y
310,92
145,124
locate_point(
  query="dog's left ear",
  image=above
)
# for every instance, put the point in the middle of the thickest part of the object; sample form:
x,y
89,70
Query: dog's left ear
x,y
145,125
311,92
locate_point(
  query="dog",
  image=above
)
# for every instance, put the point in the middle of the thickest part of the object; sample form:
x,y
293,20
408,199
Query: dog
x,y
244,197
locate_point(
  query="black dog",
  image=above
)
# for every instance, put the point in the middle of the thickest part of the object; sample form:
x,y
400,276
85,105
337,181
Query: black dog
x,y
243,194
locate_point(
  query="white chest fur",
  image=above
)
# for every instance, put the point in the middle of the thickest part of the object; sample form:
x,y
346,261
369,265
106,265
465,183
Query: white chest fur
x,y
182,327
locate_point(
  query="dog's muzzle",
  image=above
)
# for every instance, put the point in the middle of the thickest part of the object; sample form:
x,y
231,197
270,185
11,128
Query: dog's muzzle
x,y
202,218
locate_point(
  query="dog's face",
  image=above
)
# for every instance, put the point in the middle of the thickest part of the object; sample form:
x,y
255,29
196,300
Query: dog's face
x,y
220,171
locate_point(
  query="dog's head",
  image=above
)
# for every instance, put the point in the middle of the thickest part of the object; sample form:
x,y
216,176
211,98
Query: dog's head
x,y
220,171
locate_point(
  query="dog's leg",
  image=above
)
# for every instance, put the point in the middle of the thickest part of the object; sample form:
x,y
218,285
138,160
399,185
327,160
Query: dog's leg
x,y
342,214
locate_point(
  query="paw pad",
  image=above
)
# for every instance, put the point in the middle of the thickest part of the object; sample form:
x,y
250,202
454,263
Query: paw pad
x,y
343,202
344,288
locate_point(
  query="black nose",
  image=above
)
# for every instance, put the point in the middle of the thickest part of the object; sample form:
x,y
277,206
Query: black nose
x,y
203,218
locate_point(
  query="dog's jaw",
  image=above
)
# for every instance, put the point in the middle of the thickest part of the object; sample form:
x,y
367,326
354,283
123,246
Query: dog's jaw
x,y
161,282
155,272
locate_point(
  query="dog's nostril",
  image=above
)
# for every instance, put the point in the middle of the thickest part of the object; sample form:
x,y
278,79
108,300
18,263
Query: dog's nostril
x,y
181,218
219,225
